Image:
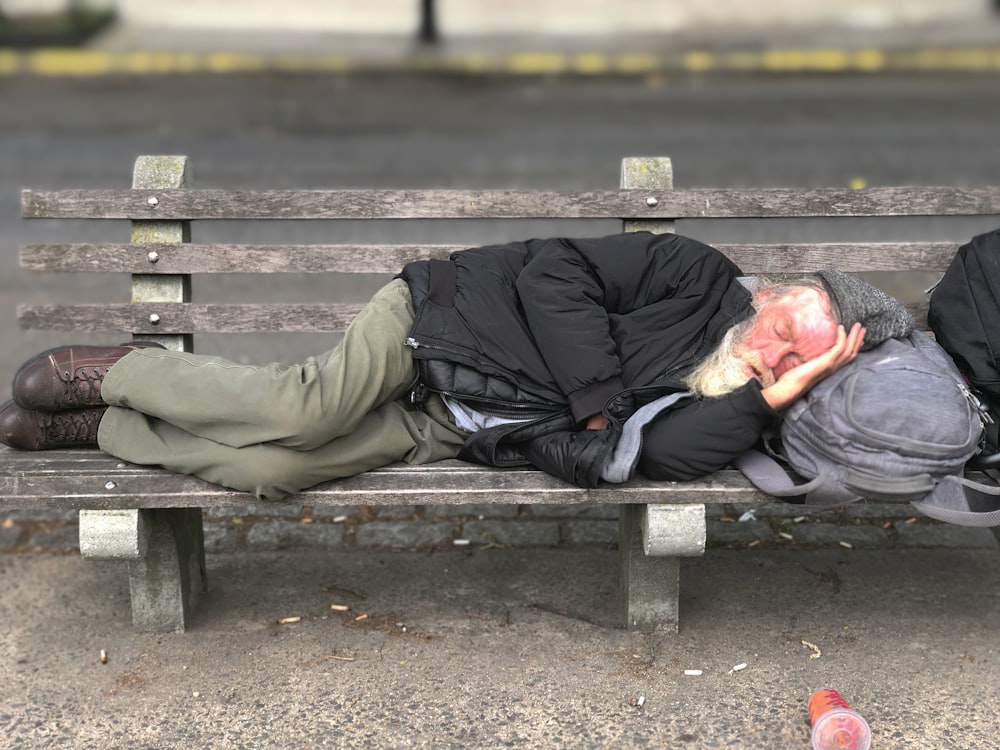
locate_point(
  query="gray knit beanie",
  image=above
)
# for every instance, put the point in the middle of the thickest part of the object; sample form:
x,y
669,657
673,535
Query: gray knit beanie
x,y
883,317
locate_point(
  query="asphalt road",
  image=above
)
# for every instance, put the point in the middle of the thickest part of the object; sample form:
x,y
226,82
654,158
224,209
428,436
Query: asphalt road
x,y
258,132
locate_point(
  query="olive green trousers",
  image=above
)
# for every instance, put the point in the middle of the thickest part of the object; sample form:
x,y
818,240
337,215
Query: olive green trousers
x,y
276,429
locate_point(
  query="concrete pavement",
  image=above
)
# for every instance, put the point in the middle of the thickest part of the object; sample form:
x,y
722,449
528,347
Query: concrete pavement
x,y
483,648
498,645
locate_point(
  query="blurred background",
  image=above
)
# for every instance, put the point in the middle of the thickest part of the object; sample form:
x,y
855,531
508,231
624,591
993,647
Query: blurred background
x,y
480,93
490,17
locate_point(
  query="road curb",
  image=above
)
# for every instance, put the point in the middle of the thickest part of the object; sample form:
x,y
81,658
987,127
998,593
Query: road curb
x,y
88,63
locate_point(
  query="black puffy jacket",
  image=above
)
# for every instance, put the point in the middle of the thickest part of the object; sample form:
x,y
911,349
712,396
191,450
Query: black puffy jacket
x,y
558,330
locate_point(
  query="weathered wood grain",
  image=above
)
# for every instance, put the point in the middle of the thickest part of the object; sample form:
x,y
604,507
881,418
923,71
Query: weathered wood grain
x,y
226,258
176,317
82,478
179,258
183,204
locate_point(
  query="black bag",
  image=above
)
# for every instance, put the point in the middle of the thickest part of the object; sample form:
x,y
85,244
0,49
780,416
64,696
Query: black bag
x,y
965,317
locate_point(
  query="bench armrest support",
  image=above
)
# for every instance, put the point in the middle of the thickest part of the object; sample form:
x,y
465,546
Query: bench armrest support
x,y
673,530
114,534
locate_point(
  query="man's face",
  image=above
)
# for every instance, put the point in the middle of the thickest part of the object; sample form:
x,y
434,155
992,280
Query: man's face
x,y
786,332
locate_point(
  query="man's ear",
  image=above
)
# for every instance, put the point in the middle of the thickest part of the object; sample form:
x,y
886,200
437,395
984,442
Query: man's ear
x,y
762,296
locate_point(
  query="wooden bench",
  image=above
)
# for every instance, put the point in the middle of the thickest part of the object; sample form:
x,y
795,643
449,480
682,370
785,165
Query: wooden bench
x,y
152,517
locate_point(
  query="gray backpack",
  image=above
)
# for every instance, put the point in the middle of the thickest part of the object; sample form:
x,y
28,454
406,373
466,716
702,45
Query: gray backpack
x,y
896,425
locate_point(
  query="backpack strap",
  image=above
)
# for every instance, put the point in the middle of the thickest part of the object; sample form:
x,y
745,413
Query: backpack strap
x,y
963,501
771,477
952,499
891,489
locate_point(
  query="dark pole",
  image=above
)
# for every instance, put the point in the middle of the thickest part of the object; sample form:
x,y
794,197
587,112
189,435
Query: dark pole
x,y
428,33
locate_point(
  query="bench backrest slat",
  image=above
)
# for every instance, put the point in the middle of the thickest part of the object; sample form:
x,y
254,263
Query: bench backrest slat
x,y
182,258
166,318
190,204
164,263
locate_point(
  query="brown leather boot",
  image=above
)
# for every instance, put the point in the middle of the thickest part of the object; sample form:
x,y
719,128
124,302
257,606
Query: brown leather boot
x,y
67,377
29,430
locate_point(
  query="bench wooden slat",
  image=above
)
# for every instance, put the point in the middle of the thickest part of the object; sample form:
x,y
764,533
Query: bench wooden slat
x,y
179,204
182,204
851,257
177,317
75,479
234,258
190,258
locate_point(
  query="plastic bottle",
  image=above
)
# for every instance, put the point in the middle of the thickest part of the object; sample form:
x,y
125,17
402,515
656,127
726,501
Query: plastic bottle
x,y
835,725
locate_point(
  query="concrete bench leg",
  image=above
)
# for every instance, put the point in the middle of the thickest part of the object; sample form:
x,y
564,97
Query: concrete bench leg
x,y
652,540
166,554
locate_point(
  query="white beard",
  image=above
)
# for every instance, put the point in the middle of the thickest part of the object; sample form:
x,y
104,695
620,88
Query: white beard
x,y
729,366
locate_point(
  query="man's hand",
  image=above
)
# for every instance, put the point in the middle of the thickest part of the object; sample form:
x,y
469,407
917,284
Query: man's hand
x,y
597,422
797,381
